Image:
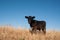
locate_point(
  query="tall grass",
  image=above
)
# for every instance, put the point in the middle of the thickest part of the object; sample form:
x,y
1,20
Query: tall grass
x,y
10,33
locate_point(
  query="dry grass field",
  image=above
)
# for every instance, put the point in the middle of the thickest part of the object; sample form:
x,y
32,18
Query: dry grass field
x,y
10,33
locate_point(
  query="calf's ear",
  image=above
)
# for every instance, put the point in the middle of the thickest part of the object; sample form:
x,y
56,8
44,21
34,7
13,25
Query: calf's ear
x,y
33,16
26,17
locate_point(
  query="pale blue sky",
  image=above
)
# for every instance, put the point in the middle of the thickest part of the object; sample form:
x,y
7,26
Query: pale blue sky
x,y
14,11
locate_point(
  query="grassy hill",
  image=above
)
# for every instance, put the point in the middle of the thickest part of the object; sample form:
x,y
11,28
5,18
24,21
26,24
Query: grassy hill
x,y
10,33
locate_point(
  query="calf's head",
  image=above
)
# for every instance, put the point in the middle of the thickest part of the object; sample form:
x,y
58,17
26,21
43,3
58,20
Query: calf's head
x,y
30,18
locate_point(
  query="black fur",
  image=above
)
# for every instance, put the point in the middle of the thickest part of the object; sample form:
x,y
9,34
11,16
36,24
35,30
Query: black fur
x,y
36,25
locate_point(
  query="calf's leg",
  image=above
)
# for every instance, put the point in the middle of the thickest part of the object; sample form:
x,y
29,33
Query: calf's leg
x,y
44,30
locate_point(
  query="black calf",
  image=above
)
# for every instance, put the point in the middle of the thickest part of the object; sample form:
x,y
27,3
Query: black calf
x,y
36,25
